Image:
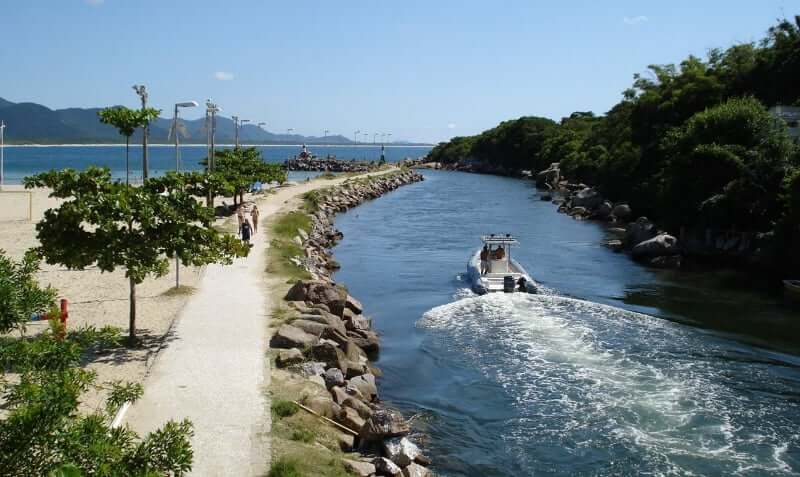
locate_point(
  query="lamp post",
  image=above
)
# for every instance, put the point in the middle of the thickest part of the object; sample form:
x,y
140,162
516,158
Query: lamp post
x,y
355,137
2,147
186,104
141,90
289,133
235,130
211,117
241,122
325,136
374,136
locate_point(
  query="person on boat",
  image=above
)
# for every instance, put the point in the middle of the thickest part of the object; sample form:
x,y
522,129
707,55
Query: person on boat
x,y
485,260
500,253
522,284
247,229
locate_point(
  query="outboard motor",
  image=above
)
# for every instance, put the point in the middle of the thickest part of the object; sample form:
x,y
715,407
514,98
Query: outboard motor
x,y
508,284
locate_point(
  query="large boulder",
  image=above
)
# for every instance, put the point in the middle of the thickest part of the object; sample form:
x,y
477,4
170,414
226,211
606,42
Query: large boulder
x,y
549,176
366,340
383,424
354,305
588,198
349,418
416,470
386,467
319,292
639,231
358,405
357,467
658,246
364,384
289,336
330,354
289,357
310,327
603,210
322,405
401,451
622,211
325,318
308,369
333,377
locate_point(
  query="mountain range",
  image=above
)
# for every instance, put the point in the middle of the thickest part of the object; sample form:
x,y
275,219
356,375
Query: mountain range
x,y
31,123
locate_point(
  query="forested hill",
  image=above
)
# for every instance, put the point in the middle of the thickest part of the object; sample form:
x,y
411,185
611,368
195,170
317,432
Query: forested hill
x,y
688,145
31,123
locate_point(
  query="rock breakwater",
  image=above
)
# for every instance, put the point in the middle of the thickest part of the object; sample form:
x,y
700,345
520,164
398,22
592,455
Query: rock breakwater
x,y
331,342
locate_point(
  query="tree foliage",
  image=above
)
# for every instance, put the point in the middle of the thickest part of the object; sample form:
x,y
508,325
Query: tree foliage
x,y
20,293
42,433
112,225
235,170
127,120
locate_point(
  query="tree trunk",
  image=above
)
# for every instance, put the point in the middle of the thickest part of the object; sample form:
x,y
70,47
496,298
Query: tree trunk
x,y
241,196
132,315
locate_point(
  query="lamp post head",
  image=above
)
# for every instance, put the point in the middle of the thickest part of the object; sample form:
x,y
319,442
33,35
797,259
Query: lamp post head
x,y
186,104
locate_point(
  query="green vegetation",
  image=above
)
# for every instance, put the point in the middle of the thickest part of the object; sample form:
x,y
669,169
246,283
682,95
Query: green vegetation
x,y
127,121
20,293
283,247
235,170
41,431
284,467
689,145
283,408
137,228
303,435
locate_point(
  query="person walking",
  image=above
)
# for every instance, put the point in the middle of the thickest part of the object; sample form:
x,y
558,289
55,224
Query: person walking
x,y
246,231
254,215
240,218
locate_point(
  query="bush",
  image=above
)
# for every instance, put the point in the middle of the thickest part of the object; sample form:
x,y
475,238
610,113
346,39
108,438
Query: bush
x,y
302,435
283,408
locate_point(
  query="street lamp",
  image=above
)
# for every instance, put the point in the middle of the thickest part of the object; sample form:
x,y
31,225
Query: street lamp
x,y
374,136
2,146
236,130
289,133
355,136
141,90
185,104
241,122
325,136
211,129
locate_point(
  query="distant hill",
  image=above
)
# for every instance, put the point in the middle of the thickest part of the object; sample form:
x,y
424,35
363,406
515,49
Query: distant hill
x,y
31,123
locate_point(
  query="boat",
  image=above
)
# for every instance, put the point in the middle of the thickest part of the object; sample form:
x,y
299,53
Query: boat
x,y
791,289
504,273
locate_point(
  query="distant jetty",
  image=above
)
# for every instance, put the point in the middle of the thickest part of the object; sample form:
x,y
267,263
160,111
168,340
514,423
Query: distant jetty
x,y
306,161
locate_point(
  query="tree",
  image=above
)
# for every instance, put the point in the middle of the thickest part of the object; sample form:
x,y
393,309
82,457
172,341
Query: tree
x,y
20,293
127,121
113,225
42,432
239,168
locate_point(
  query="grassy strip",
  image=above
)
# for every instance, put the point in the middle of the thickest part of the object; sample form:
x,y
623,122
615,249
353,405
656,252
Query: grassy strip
x,y
283,247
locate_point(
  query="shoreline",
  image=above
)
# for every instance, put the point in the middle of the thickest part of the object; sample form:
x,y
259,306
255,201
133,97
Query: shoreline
x,y
324,346
135,146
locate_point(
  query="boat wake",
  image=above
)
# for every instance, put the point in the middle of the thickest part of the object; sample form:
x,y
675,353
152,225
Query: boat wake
x,y
611,389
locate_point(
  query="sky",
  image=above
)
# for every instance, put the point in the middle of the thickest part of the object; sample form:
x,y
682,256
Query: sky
x,y
422,70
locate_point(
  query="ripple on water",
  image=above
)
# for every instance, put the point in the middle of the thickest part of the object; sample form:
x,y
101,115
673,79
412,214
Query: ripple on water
x,y
609,389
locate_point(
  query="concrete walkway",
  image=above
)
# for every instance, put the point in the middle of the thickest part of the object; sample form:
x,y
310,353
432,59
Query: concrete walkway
x,y
213,370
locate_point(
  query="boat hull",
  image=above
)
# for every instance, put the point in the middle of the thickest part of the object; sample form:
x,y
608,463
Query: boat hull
x,y
492,283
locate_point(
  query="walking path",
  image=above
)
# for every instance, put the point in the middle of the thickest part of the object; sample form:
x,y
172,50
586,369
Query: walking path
x,y
213,370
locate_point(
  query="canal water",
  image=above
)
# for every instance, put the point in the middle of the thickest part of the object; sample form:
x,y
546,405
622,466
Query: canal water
x,y
615,369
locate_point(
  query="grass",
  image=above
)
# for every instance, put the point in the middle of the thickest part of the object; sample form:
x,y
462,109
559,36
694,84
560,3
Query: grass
x,y
284,408
284,467
179,291
328,176
302,435
283,247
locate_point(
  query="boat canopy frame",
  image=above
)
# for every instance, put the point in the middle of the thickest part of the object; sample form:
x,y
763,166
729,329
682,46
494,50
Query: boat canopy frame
x,y
499,239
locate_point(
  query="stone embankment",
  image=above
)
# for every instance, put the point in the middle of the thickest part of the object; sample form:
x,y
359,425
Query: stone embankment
x,y
332,343
329,164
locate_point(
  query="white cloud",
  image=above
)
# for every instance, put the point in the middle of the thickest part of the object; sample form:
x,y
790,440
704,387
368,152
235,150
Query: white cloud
x,y
95,3
635,20
451,126
223,75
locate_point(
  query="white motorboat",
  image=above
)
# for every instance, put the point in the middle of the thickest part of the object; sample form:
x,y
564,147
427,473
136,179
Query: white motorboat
x,y
500,272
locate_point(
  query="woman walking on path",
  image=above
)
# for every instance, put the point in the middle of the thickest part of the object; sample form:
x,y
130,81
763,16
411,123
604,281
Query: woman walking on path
x,y
254,215
240,218
246,231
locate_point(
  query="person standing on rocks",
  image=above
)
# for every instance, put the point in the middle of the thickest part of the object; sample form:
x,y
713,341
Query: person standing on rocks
x,y
254,215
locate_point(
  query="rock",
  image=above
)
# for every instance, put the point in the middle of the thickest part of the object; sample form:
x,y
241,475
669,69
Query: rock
x,y
326,318
549,176
366,340
349,418
320,306
639,231
311,368
289,357
416,470
401,451
578,212
346,442
365,384
667,262
288,336
322,405
658,246
603,210
358,405
354,305
310,327
422,460
546,197
384,466
621,211
357,467
383,424
303,234
615,245
335,335
331,355
588,198
319,292
338,394
333,377
317,379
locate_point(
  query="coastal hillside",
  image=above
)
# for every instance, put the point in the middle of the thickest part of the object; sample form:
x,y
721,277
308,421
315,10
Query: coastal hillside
x,y
706,145
32,123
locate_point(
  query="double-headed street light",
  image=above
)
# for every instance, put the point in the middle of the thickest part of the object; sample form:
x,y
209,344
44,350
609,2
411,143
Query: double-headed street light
x,y
241,122
185,104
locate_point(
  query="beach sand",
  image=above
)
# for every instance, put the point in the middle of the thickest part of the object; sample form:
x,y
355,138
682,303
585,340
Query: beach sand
x,y
99,299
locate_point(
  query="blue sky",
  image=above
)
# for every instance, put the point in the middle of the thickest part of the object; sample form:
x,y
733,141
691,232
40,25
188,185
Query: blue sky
x,y
422,70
